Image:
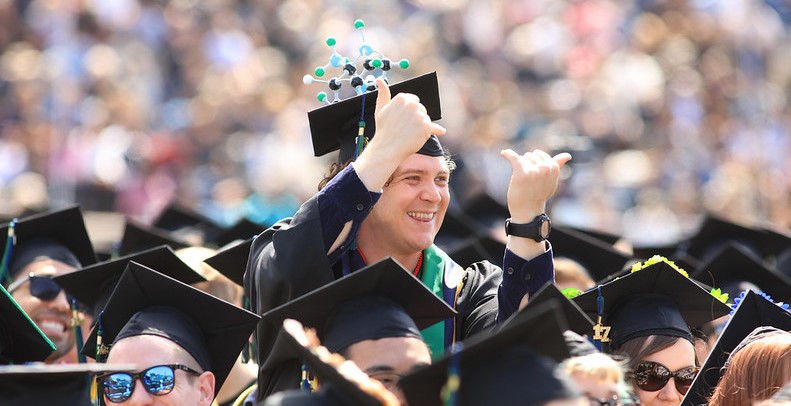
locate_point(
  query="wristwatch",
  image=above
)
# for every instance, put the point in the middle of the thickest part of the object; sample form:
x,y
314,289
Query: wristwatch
x,y
537,230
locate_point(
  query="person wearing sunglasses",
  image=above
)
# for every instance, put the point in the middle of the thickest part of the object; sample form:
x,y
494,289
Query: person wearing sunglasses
x,y
184,341
646,316
41,247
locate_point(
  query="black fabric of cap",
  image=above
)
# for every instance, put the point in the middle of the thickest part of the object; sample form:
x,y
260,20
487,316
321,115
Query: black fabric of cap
x,y
223,327
232,261
20,339
336,126
59,235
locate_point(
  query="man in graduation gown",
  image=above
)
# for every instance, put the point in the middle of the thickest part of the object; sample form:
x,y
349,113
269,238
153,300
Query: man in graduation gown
x,y
391,202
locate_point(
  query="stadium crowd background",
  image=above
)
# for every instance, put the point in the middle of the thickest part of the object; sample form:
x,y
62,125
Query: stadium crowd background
x,y
671,108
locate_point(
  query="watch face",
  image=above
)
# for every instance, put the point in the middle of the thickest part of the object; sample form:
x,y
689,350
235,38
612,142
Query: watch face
x,y
545,228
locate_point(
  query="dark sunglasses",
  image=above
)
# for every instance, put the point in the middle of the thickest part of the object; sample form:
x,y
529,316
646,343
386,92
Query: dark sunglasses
x,y
652,376
158,380
42,287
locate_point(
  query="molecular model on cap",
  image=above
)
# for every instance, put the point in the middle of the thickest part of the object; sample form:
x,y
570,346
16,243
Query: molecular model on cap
x,y
361,79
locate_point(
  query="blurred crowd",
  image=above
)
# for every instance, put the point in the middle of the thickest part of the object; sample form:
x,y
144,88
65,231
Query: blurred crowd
x,y
671,108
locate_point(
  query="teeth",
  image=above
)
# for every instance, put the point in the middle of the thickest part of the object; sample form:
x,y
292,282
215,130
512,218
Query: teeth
x,y
420,215
52,325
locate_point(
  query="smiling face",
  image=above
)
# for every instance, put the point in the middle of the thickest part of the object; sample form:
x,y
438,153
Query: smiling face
x,y
410,211
679,355
53,317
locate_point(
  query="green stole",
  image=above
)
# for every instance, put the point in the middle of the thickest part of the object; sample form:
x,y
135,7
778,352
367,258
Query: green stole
x,y
432,275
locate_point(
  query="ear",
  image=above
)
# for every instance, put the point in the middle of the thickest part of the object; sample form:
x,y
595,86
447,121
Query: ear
x,y
205,385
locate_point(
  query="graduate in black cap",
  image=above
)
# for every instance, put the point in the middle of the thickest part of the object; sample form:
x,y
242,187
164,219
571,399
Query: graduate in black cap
x,y
517,365
745,384
391,201
37,249
372,317
646,315
184,341
342,382
20,340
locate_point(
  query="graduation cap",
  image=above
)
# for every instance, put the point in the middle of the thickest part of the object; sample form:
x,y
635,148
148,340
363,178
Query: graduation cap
x,y
59,235
600,259
243,229
336,126
232,261
486,210
20,339
93,284
52,384
138,237
147,302
338,385
656,300
716,231
672,252
187,223
733,264
577,320
753,311
492,367
381,300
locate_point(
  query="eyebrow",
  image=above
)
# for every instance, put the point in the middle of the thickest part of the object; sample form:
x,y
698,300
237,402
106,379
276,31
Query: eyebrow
x,y
387,368
420,172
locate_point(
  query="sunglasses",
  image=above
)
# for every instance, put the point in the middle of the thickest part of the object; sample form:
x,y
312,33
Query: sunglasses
x,y
158,380
42,287
652,376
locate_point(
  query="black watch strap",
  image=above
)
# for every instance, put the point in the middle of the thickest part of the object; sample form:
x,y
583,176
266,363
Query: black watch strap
x,y
537,230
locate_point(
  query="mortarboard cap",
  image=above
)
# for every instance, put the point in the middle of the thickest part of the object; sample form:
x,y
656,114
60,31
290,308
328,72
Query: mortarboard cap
x,y
577,320
93,284
59,235
753,311
733,264
339,384
525,350
138,237
232,261
147,302
656,300
335,126
600,259
51,384
21,340
714,232
188,224
243,229
381,300
669,251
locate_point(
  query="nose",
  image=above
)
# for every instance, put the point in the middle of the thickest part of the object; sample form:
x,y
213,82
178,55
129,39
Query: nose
x,y
669,393
60,303
431,192
140,396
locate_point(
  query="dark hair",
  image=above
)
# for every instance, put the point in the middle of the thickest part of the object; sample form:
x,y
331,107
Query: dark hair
x,y
640,347
336,168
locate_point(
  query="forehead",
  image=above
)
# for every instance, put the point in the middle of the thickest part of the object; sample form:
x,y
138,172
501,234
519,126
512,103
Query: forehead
x,y
45,266
148,350
423,163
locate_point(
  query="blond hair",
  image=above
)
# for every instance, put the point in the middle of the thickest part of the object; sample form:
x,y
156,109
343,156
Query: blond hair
x,y
217,284
598,366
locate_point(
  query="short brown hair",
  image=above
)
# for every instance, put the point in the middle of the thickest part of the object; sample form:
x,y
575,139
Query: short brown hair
x,y
336,168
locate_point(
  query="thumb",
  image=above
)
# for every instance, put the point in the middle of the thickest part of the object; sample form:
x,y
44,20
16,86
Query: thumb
x,y
511,156
384,94
562,158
